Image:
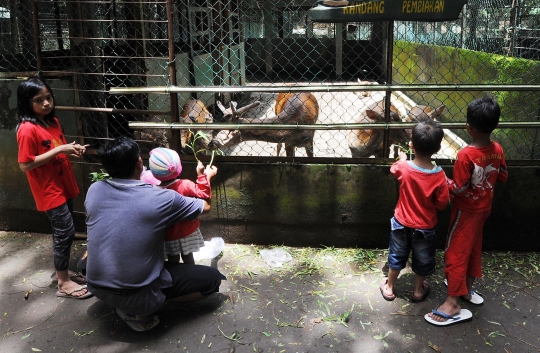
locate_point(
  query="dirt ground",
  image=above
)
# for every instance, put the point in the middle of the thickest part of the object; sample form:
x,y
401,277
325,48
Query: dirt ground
x,y
323,300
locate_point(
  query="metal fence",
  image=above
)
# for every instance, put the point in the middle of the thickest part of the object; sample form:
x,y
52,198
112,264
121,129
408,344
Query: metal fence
x,y
134,62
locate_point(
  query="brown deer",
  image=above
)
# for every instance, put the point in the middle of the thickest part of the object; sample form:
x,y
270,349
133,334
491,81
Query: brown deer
x,y
368,142
195,112
153,137
291,108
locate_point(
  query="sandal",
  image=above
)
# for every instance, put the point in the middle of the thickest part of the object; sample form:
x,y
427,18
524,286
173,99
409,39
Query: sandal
x,y
71,296
386,296
427,289
138,324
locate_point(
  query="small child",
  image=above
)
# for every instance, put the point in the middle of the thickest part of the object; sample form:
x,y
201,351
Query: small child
x,y
478,167
423,191
183,238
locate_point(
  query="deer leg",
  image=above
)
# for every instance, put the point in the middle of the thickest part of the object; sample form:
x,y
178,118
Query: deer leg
x,y
289,150
309,149
278,148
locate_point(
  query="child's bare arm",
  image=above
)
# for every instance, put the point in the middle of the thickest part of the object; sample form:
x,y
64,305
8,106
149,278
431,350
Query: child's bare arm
x,y
402,156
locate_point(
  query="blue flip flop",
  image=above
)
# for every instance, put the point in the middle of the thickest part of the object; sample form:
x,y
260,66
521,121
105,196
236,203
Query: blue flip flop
x,y
463,316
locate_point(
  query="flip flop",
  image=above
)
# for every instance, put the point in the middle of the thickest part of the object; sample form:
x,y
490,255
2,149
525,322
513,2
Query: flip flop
x,y
76,277
427,289
133,323
71,296
463,316
476,299
386,296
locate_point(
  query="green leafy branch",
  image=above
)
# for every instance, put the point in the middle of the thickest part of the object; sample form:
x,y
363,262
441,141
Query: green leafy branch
x,y
407,149
192,146
99,176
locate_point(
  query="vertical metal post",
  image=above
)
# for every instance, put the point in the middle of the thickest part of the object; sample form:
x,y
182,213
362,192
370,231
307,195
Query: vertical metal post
x,y
388,95
513,25
463,23
175,134
37,41
339,49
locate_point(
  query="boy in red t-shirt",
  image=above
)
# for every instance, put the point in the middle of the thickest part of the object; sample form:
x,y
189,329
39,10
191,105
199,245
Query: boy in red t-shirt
x,y
422,192
478,167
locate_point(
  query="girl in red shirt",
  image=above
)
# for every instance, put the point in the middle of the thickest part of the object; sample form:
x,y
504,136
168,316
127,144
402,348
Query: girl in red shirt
x,y
44,157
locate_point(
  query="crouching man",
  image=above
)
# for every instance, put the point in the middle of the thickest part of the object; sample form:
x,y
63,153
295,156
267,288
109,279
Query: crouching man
x,y
126,222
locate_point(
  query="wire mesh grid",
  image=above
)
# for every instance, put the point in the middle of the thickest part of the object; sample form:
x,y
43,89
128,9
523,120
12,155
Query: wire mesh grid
x,y
99,45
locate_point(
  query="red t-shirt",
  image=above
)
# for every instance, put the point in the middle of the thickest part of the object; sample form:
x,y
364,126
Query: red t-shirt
x,y
476,171
422,193
201,189
53,183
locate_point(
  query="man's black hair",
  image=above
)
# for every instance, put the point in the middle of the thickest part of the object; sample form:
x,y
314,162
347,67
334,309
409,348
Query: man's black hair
x,y
483,114
119,157
427,136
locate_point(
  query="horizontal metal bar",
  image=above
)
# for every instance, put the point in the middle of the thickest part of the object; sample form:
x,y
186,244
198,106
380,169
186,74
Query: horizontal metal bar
x,y
270,160
116,39
103,2
105,57
101,20
321,88
113,111
391,126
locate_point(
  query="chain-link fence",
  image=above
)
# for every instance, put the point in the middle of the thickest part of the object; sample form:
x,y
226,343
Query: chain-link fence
x,y
315,82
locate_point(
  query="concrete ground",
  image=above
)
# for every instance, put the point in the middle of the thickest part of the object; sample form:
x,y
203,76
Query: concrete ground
x,y
323,300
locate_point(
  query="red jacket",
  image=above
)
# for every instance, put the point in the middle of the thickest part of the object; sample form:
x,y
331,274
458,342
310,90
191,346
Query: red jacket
x,y
201,189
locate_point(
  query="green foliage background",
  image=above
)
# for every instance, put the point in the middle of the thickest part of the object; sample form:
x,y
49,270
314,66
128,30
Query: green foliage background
x,y
428,64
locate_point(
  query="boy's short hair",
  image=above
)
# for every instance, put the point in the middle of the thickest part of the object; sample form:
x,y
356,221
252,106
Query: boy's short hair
x,y
119,157
483,114
427,136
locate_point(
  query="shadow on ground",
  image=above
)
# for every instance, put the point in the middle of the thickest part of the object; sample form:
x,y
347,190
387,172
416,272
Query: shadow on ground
x,y
324,300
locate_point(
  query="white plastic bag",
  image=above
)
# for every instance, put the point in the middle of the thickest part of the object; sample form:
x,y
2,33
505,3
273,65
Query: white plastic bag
x,y
210,249
275,257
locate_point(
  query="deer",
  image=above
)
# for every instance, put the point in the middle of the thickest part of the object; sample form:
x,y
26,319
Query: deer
x,y
154,137
290,108
194,111
368,142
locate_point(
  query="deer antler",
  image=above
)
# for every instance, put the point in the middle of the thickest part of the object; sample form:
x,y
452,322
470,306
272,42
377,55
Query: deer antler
x,y
247,107
233,112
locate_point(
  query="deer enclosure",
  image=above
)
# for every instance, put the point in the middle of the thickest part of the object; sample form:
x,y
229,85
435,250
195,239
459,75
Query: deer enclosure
x,y
130,68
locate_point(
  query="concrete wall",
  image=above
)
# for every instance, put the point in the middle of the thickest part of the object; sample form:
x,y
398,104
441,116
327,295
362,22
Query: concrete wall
x,y
348,206
303,205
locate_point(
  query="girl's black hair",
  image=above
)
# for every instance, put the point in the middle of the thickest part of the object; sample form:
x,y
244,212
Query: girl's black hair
x,y
25,92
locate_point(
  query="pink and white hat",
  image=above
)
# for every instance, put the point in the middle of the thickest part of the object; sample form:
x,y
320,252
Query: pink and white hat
x,y
164,164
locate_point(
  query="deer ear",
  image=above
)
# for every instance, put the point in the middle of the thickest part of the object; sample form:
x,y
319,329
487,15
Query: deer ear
x,y
373,115
438,112
394,116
